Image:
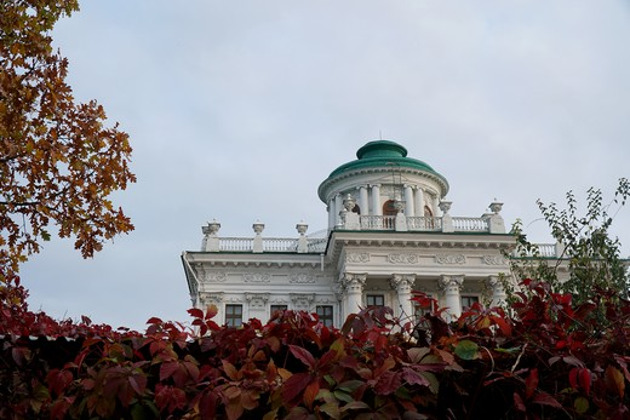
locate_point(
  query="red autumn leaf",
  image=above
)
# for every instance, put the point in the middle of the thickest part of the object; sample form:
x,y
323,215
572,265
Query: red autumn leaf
x,y
310,393
518,402
196,313
531,383
303,355
168,369
388,382
58,380
543,398
414,378
503,325
154,320
294,386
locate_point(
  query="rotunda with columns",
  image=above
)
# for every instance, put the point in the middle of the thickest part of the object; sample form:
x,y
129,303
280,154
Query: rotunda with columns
x,y
390,231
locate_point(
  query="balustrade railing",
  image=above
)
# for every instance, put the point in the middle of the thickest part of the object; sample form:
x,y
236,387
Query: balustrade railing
x,y
235,244
279,244
271,244
369,222
317,244
422,223
547,250
470,224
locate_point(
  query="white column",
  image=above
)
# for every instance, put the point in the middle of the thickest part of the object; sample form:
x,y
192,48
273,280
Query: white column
x,y
363,200
419,202
353,287
498,291
403,284
451,286
331,214
376,200
338,207
409,204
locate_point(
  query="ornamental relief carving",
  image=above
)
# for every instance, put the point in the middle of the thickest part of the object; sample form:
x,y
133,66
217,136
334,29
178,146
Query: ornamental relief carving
x,y
211,298
403,259
301,278
361,258
450,259
494,260
218,276
302,301
256,278
257,300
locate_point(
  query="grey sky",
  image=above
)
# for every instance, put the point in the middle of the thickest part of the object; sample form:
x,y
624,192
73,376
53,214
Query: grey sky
x,y
237,110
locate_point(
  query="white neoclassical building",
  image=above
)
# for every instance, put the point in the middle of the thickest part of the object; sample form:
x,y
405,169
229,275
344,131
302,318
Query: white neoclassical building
x,y
389,233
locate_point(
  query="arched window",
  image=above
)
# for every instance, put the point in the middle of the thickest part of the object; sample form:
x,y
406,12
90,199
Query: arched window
x,y
427,212
389,209
356,209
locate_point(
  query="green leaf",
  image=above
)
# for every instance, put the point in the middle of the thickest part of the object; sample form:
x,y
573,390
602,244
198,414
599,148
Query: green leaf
x,y
581,405
342,396
332,409
467,350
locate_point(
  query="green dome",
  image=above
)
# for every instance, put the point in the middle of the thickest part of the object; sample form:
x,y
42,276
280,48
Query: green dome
x,y
381,153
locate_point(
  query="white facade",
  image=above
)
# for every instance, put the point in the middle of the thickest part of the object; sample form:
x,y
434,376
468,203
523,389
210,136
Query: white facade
x,y
389,233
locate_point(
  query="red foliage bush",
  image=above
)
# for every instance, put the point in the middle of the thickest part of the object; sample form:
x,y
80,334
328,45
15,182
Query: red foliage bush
x,y
548,358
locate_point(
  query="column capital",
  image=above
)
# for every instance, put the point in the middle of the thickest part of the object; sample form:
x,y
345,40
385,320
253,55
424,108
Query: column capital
x,y
402,282
451,284
353,282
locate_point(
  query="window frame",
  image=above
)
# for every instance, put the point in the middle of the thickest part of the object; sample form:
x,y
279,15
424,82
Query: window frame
x,y
233,319
327,319
374,296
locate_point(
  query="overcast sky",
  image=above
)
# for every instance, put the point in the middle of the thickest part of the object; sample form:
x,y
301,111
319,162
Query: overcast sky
x,y
237,110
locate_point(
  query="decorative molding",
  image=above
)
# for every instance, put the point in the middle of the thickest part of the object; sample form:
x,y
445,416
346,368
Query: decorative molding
x,y
216,276
458,259
494,260
257,300
403,258
362,257
256,278
301,278
302,301
211,298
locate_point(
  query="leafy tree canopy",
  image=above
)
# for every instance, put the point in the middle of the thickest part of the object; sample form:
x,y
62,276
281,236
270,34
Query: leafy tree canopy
x,y
59,162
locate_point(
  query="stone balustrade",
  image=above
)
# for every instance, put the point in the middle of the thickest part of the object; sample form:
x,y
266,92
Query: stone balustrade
x,y
542,251
488,223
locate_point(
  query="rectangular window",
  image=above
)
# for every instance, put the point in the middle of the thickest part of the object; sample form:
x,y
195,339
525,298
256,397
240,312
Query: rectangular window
x,y
375,300
277,308
467,301
233,315
325,314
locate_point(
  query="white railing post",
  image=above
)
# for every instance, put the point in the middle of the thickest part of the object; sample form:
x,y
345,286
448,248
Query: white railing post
x,y
447,219
302,241
257,246
210,241
495,221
